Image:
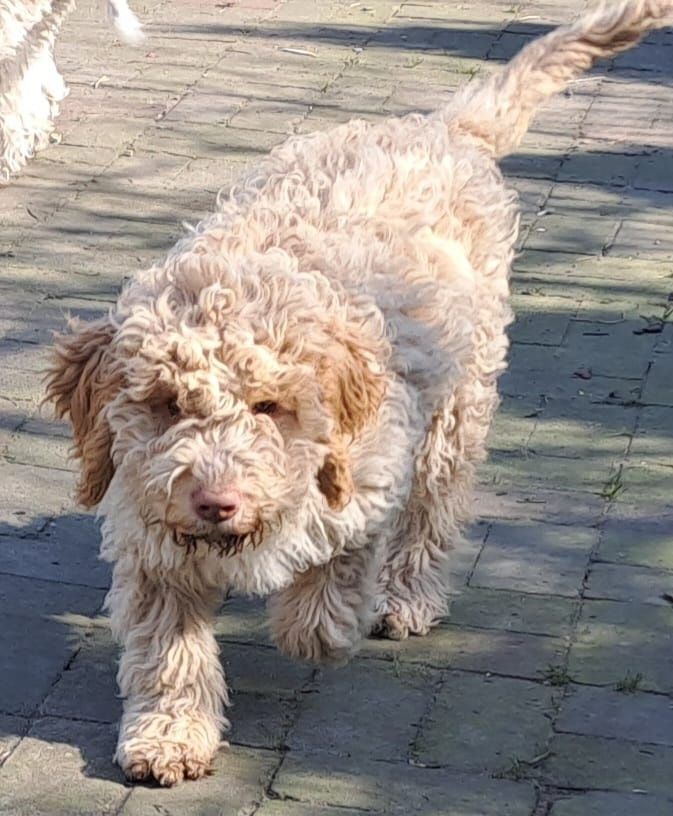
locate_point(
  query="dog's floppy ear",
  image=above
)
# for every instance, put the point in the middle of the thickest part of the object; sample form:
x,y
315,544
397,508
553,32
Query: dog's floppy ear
x,y
353,389
80,382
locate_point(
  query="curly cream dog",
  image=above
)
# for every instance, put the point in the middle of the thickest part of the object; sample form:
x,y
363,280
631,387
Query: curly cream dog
x,y
294,402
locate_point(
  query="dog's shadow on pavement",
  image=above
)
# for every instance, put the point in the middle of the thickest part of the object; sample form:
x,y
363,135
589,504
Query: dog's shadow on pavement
x,y
54,643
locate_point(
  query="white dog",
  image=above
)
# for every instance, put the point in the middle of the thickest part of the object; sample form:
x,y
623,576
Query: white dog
x,y
294,402
30,84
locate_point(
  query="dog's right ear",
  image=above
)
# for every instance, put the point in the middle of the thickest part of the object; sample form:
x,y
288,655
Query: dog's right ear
x,y
81,381
353,389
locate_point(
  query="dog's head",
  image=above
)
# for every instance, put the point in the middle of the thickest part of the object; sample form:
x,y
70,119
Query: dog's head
x,y
226,394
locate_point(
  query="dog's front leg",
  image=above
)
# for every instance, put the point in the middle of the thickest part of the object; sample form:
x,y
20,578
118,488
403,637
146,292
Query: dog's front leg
x,y
324,614
169,674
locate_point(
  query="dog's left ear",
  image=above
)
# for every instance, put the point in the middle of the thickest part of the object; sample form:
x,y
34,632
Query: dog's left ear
x,y
353,389
81,381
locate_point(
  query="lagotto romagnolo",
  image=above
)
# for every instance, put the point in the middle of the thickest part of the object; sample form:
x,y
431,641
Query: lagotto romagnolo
x,y
294,402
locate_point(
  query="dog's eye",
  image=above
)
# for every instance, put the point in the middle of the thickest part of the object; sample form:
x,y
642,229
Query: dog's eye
x,y
266,407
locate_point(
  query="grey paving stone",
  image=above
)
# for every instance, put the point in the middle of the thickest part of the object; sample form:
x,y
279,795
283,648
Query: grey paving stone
x,y
33,445
616,640
611,804
653,442
601,712
526,468
545,370
631,536
62,768
235,787
533,362
480,650
619,582
611,120
35,652
602,282
259,720
535,558
577,428
646,483
531,163
507,502
342,716
481,723
43,629
262,670
12,729
658,386
34,598
22,388
464,555
30,496
562,233
73,155
242,620
532,193
591,346
652,173
67,550
397,789
79,275
643,239
608,764
291,808
209,176
94,669
651,56
24,356
615,169
37,324
514,423
541,320
512,611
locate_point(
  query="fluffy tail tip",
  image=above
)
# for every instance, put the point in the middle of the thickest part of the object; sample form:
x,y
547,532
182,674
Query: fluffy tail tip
x,y
126,23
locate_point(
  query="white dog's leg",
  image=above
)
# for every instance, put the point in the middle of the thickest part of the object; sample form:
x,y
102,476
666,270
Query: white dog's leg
x,y
169,674
324,615
412,595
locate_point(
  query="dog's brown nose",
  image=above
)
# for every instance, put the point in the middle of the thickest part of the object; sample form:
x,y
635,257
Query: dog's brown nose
x,y
216,505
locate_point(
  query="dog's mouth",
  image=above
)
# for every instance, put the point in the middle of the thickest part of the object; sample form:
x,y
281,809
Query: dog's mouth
x,y
224,544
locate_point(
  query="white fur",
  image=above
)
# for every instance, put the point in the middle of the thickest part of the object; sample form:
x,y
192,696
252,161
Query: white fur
x,y
31,86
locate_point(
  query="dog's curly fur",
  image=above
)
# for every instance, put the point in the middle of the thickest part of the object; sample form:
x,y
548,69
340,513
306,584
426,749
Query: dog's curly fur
x,y
31,86
328,343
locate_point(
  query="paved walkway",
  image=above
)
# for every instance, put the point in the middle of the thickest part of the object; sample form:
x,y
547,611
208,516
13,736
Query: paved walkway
x,y
549,690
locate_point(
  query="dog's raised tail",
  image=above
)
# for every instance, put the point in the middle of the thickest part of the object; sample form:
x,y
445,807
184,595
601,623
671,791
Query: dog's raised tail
x,y
500,108
125,21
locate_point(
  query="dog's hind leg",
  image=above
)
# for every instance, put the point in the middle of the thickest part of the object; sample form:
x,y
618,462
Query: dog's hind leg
x,y
412,593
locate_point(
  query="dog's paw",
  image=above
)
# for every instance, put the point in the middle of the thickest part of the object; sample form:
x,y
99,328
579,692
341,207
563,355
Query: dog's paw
x,y
391,627
395,627
167,763
317,645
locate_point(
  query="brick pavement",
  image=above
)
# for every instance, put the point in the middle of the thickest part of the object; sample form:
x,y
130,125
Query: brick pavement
x,y
549,689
